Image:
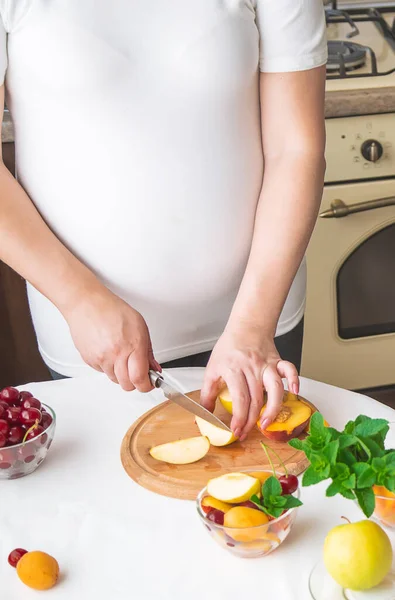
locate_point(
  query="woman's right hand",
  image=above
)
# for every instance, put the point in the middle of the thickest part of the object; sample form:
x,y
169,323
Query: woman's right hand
x,y
113,338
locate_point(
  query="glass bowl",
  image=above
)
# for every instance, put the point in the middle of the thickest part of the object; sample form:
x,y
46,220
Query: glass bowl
x,y
22,459
249,542
384,511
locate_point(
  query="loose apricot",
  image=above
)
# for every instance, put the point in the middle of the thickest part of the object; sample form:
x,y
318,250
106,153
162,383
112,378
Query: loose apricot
x,y
38,570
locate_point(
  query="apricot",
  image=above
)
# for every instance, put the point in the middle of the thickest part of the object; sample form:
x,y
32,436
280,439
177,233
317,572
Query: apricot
x,y
242,524
210,502
38,570
290,422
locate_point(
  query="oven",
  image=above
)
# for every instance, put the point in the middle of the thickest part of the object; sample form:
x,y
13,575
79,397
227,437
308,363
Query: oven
x,y
350,305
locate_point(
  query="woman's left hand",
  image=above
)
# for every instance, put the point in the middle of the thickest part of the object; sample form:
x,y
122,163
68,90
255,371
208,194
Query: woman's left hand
x,y
248,364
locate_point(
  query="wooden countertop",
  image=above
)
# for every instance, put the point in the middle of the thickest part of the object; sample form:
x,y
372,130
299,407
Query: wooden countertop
x,y
337,104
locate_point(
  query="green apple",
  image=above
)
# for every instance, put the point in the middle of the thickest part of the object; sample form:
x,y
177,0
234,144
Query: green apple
x,y
358,555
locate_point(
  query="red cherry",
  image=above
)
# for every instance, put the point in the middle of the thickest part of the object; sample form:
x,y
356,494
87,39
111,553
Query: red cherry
x,y
29,416
46,420
31,403
15,435
24,395
216,516
9,395
33,433
15,555
289,484
14,414
4,404
4,427
3,440
3,412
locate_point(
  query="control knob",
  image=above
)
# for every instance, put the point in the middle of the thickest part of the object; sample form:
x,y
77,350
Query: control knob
x,y
372,150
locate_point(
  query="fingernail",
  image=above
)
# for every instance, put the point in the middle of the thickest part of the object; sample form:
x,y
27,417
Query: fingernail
x,y
242,437
265,423
237,432
295,388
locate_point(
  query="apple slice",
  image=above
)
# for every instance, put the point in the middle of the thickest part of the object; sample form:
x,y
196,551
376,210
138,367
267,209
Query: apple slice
x,y
226,400
182,452
233,487
216,435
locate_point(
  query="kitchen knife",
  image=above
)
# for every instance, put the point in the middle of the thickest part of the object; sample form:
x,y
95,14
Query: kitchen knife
x,y
161,381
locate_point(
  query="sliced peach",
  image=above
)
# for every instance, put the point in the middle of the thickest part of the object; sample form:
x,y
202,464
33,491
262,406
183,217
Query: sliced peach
x,y
242,524
385,504
261,475
290,422
210,502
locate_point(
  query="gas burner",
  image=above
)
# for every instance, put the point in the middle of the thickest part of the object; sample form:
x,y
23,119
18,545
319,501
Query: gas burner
x,y
345,56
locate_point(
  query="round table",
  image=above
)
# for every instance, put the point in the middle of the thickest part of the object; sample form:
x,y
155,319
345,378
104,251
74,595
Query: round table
x,y
115,540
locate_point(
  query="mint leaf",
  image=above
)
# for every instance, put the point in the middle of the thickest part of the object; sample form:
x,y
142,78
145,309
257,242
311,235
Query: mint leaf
x,y
366,500
350,483
297,444
370,427
331,450
311,476
271,487
275,512
389,483
366,476
378,464
334,488
375,449
317,427
390,459
364,448
277,501
347,440
350,428
341,472
347,493
256,500
292,502
347,457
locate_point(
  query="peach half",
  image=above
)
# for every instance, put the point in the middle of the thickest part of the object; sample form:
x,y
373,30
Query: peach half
x,y
290,422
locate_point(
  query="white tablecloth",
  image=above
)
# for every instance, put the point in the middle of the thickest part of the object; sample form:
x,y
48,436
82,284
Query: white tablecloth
x,y
117,541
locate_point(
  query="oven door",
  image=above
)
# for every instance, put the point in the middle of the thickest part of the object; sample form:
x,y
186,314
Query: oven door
x,y
350,309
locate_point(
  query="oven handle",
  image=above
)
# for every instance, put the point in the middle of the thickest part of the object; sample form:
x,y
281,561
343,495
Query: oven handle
x,y
340,209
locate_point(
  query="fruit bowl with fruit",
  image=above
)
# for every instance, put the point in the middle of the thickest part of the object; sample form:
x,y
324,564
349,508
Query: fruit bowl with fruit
x,y
27,428
249,513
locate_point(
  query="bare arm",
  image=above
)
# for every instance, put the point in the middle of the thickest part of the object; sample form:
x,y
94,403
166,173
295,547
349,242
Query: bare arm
x,y
105,329
293,137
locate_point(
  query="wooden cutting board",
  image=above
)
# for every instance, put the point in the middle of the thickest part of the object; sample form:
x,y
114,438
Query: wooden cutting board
x,y
169,422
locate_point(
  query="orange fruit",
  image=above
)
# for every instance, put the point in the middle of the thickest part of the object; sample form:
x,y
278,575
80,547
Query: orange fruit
x,y
38,570
385,505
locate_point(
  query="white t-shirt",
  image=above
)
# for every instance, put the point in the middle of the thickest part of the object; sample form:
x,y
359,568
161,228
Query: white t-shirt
x,y
137,130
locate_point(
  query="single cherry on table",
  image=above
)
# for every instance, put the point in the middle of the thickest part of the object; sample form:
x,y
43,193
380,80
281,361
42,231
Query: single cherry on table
x,y
15,556
289,483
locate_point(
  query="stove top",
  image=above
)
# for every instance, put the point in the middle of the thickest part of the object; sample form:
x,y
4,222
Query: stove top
x,y
361,47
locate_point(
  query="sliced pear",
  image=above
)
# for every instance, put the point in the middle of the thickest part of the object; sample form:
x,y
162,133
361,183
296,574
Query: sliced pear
x,y
182,452
216,435
233,487
226,400
210,502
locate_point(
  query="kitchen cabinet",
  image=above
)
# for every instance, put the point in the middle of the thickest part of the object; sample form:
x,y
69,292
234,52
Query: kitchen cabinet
x,y
20,361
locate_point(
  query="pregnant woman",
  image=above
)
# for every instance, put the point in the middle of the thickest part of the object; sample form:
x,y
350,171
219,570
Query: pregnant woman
x,y
170,164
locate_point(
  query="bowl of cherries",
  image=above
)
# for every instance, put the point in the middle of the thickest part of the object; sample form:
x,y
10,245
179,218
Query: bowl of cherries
x,y
27,428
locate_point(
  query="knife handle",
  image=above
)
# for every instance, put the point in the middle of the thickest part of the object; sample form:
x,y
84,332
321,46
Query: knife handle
x,y
155,378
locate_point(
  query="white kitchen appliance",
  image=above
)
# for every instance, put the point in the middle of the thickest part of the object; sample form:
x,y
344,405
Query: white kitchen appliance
x,y
350,310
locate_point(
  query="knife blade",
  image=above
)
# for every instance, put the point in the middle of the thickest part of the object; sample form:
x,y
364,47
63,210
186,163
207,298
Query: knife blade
x,y
162,382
